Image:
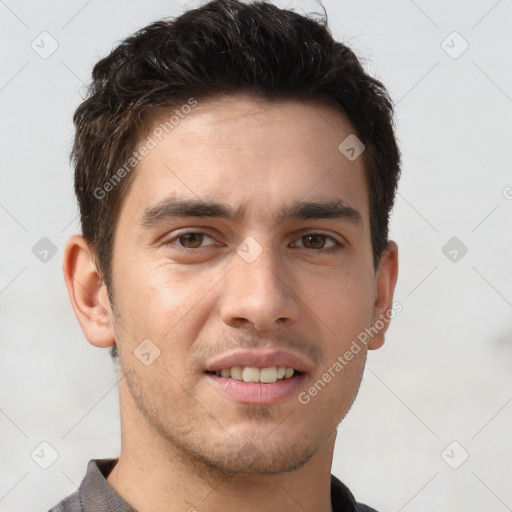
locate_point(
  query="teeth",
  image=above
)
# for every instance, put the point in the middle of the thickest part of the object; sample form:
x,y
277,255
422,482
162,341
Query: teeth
x,y
268,375
252,374
234,373
281,372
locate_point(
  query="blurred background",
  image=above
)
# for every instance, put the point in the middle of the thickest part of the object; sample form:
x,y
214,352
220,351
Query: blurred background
x,y
430,429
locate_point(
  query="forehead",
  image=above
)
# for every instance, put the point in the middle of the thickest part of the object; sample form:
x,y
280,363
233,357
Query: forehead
x,y
253,154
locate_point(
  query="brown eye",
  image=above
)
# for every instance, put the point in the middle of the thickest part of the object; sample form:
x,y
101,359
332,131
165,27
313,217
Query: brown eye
x,y
191,240
318,241
314,241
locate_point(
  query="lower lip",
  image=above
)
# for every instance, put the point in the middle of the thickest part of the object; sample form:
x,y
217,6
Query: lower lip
x,y
256,393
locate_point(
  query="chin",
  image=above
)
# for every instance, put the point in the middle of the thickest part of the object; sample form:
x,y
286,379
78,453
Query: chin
x,y
254,457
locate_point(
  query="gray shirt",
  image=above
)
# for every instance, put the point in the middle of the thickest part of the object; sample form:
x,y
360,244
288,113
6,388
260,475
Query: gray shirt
x,y
96,495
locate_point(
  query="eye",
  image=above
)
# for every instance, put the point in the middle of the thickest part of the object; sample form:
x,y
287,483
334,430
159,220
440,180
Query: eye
x,y
194,240
318,240
190,240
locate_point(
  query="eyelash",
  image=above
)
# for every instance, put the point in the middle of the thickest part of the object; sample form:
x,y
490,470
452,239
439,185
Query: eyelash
x,y
334,248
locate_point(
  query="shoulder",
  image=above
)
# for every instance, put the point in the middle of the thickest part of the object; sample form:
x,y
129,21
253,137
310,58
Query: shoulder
x,y
364,508
342,499
69,504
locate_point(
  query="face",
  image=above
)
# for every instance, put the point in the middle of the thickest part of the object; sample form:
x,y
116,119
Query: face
x,y
256,280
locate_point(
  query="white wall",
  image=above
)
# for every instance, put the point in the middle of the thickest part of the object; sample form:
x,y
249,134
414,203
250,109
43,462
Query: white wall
x,y
444,373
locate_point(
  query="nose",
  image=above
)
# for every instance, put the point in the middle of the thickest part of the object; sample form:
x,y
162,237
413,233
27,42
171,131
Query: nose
x,y
259,293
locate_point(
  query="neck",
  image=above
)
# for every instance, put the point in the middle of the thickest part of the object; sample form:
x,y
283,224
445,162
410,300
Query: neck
x,y
154,475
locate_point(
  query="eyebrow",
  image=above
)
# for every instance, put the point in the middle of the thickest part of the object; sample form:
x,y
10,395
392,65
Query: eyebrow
x,y
169,209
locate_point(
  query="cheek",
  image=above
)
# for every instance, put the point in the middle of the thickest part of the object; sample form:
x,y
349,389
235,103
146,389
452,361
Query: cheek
x,y
173,291
345,307
160,304
169,305
157,291
166,290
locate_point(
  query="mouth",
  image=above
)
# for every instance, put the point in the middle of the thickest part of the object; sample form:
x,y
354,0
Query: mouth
x,y
258,377
253,374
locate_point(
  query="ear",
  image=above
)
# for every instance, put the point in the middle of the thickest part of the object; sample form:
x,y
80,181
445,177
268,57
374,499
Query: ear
x,y
87,293
385,281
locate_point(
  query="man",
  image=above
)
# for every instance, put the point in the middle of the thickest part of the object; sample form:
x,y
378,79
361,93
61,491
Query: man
x,y
235,169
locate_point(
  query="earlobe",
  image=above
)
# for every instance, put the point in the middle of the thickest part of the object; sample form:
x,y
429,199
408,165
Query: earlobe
x,y
87,293
385,282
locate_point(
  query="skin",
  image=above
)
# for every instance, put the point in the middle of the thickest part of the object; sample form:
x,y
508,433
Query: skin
x,y
184,443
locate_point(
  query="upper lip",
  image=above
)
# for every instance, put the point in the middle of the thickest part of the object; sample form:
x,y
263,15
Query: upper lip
x,y
258,359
